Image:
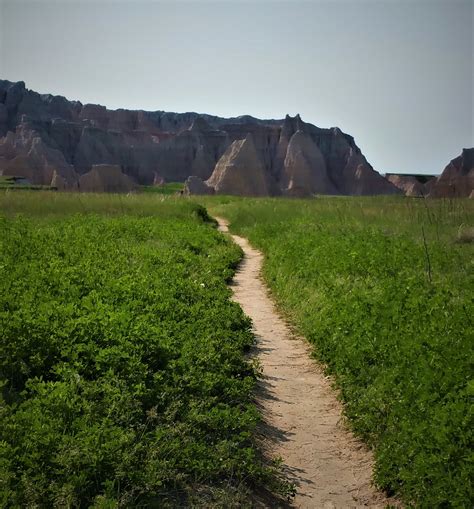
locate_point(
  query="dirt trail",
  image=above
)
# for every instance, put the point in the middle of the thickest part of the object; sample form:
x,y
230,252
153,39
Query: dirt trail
x,y
303,423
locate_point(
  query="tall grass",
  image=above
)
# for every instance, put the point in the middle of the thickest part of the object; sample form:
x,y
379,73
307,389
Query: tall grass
x,y
52,203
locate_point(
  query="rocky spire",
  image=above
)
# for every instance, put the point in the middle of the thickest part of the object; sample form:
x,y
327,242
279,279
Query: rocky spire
x,y
240,171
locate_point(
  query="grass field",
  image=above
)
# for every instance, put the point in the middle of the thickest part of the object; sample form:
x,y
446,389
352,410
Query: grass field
x,y
169,188
122,359
383,289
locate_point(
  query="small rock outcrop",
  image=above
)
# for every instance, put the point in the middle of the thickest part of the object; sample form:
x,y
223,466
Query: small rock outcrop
x,y
106,178
457,179
412,185
195,185
240,171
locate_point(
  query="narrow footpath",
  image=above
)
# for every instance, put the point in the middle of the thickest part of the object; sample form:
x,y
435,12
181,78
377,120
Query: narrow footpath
x,y
302,416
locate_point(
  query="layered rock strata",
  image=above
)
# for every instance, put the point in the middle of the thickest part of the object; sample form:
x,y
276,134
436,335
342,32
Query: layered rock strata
x,y
44,137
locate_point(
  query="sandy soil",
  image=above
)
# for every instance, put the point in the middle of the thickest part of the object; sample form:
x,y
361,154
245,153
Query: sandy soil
x,y
302,417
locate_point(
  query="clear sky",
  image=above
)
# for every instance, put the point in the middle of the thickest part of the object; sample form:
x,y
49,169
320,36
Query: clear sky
x,y
395,74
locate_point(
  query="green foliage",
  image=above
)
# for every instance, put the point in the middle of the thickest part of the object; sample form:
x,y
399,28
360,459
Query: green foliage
x,y
166,189
391,315
122,368
9,183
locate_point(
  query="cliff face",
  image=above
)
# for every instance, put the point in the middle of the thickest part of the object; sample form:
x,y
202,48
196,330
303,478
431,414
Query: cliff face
x,y
42,136
457,179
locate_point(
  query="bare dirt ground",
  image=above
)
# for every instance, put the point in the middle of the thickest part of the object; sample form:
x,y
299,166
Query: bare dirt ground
x,y
302,417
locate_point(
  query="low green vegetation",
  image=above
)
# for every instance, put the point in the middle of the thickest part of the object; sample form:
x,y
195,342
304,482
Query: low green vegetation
x,y
11,183
382,287
166,189
123,375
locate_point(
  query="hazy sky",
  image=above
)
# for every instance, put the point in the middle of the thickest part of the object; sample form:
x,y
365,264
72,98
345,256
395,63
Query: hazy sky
x,y
396,74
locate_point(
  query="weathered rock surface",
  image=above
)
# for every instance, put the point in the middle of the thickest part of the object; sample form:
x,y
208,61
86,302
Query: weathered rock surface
x,y
304,168
194,185
106,178
59,183
240,171
71,138
412,185
457,179
25,154
158,180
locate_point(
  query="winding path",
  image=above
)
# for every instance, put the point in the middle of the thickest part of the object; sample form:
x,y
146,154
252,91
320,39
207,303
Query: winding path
x,y
302,416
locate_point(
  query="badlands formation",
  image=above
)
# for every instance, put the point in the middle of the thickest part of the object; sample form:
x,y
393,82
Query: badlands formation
x,y
70,146
456,180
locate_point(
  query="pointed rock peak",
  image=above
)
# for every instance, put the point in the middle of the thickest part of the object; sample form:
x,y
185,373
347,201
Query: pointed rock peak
x,y
291,125
468,157
200,125
299,123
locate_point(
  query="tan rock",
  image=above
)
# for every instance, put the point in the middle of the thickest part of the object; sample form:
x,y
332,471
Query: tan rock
x,y
106,178
410,184
240,171
304,170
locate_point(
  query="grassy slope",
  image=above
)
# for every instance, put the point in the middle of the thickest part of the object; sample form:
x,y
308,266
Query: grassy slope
x,y
391,315
121,356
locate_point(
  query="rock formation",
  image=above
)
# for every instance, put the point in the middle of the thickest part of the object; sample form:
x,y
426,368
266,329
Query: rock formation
x,y
457,179
240,171
194,185
158,180
59,183
304,168
25,154
106,178
41,134
412,185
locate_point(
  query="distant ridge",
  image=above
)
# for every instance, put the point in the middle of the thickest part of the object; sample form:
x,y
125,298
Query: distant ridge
x,y
43,136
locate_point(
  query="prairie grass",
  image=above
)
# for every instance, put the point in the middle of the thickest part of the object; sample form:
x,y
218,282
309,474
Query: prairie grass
x,y
123,377
383,289
53,203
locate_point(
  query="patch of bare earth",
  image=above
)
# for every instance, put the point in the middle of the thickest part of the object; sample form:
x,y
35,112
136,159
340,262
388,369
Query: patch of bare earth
x,y
302,417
